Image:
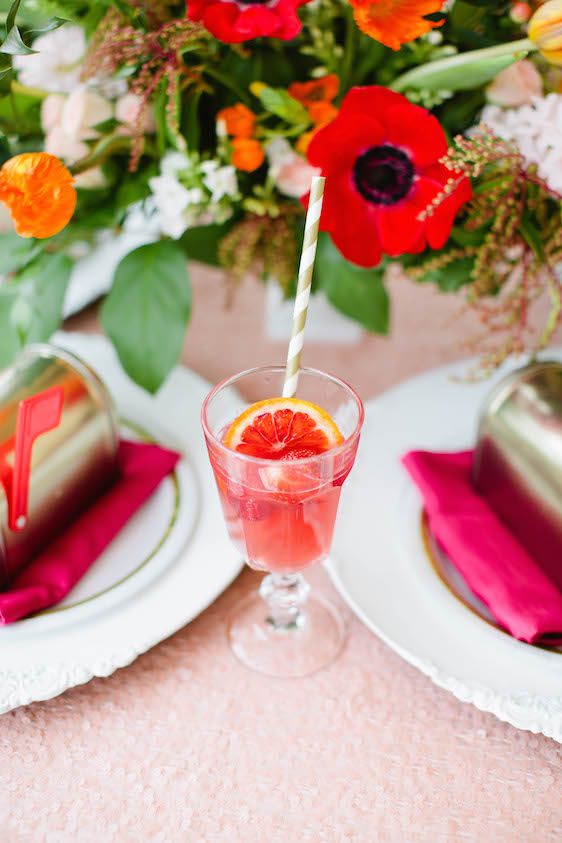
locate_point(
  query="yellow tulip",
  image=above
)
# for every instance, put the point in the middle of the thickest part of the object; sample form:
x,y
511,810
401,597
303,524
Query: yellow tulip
x,y
545,30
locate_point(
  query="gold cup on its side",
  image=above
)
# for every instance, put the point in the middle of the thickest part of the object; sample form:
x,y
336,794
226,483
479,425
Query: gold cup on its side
x,y
518,460
70,464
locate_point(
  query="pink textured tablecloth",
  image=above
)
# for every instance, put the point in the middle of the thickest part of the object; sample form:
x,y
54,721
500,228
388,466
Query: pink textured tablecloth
x,y
187,745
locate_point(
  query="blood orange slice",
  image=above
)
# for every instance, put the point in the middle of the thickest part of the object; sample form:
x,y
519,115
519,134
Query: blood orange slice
x,y
283,429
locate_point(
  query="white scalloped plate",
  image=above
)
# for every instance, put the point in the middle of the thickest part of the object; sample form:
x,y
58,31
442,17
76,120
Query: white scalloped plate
x,y
382,569
167,565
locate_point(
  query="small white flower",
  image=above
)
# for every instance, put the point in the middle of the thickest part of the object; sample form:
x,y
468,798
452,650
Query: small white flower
x,y
56,66
173,163
177,207
196,196
172,226
169,194
220,181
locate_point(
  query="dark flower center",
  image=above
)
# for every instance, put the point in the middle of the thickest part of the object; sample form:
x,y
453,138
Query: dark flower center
x,y
383,175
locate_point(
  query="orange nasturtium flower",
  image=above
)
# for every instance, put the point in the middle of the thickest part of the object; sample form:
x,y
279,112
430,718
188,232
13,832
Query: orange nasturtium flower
x,y
39,193
322,90
239,121
247,154
395,22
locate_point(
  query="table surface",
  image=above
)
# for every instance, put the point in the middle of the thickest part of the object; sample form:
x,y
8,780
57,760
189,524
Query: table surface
x,y
188,745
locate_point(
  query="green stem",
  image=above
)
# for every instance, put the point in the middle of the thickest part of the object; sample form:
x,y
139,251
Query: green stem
x,y
348,50
101,151
229,83
413,78
36,93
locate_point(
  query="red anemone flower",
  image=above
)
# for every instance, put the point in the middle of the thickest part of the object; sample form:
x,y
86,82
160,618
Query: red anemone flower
x,y
381,157
233,21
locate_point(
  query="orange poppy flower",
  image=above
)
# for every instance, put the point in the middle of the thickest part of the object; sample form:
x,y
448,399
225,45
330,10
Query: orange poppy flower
x,y
315,91
239,120
395,22
247,154
39,193
322,112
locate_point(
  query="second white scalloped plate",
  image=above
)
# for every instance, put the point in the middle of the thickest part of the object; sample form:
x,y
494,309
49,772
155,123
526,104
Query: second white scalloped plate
x,y
382,569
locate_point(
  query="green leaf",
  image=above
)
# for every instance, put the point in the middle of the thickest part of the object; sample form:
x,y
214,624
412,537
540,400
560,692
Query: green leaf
x,y
532,235
202,242
135,187
357,292
12,12
106,126
13,44
50,26
279,102
31,306
147,310
16,252
191,128
451,277
465,70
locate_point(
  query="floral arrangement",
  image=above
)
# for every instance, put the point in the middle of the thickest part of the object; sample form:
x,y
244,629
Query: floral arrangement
x,y
437,126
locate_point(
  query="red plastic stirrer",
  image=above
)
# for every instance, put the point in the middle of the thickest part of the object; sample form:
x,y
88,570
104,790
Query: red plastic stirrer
x,y
36,415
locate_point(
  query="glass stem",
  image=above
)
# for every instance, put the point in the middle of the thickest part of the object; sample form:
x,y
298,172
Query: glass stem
x,y
285,595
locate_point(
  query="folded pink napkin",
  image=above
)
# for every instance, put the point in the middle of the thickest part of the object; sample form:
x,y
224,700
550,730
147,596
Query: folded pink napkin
x,y
494,564
52,574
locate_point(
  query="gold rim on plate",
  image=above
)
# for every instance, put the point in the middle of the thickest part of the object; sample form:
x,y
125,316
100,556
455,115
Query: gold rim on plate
x,y
429,545
145,437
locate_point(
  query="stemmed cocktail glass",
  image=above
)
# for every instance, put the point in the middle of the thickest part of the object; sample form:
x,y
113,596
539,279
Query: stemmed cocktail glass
x,y
281,515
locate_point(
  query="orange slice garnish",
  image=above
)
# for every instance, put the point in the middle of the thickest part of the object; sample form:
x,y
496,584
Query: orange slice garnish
x,y
283,429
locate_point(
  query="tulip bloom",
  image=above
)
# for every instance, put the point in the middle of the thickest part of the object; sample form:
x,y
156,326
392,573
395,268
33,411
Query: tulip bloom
x,y
545,31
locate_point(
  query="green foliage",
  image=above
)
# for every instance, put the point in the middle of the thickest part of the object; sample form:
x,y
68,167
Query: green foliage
x,y
147,310
202,242
464,71
279,102
356,292
448,275
31,304
16,252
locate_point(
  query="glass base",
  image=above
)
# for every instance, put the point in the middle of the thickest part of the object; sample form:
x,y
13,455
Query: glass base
x,y
315,640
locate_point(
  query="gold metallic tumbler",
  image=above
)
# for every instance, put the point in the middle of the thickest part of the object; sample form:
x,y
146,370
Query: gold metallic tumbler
x,y
518,460
70,464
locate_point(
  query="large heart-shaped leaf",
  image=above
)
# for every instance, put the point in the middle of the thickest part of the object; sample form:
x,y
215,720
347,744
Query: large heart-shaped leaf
x,y
357,292
147,311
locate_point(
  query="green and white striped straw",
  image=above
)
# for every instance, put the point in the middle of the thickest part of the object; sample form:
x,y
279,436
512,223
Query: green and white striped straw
x,y
303,286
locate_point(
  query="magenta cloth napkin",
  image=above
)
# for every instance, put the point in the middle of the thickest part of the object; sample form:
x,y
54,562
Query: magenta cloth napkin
x,y
495,565
52,574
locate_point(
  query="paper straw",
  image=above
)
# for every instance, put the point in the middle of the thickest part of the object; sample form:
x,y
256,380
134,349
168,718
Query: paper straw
x,y
303,286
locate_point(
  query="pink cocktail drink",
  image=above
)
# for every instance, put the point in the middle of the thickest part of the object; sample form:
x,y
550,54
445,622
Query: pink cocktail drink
x,y
279,469
281,517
